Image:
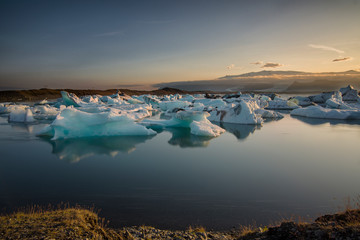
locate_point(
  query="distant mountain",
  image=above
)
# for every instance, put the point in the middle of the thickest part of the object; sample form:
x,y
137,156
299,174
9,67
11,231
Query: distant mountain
x,y
264,73
273,81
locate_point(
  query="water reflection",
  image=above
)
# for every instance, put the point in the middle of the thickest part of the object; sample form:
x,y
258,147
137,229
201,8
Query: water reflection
x,y
240,131
74,150
183,138
22,127
320,121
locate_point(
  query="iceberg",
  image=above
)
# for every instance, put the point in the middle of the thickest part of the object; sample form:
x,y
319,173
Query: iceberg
x,y
242,113
336,102
171,105
215,103
73,123
45,112
281,104
197,122
326,113
70,99
349,93
8,108
21,116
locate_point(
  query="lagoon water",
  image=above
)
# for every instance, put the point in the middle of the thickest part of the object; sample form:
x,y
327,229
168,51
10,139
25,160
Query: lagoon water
x,y
291,167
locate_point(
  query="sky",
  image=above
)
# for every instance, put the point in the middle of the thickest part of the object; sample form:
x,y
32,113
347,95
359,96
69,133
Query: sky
x,y
107,44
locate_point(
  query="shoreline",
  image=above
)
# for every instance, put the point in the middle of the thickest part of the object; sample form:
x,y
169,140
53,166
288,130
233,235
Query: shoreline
x,y
80,223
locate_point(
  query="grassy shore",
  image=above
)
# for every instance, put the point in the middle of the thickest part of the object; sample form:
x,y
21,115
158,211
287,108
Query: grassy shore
x,y
79,223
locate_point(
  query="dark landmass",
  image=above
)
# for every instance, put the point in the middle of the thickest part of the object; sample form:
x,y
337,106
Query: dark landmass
x,y
77,223
273,81
45,93
321,85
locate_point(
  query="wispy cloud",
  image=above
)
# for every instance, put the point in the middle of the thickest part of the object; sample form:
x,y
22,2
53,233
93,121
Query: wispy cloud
x,y
342,59
326,48
109,34
232,67
272,65
257,63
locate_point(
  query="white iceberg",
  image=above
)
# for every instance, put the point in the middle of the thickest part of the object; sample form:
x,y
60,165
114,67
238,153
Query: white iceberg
x,y
242,113
336,102
215,103
21,116
171,105
197,122
8,108
45,112
73,123
326,113
280,104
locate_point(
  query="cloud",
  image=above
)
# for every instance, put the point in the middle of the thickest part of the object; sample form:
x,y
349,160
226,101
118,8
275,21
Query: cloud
x,y
342,59
272,65
231,66
326,48
257,63
109,34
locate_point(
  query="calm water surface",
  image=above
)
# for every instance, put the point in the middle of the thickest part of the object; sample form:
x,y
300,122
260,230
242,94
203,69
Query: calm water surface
x,y
291,167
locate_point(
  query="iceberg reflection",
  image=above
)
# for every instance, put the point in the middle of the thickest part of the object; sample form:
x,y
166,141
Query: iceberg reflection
x,y
320,121
183,138
240,131
74,150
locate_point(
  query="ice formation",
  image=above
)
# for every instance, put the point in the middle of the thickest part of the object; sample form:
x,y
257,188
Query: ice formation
x,y
21,115
281,104
70,99
73,123
196,121
120,114
326,113
243,112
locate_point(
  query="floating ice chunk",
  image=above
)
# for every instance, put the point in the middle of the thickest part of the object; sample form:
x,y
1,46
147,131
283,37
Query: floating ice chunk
x,y
187,97
8,108
21,115
326,113
196,121
91,99
321,98
45,112
269,114
265,98
70,99
198,107
43,102
216,103
151,100
336,102
242,113
349,93
170,105
282,105
205,128
134,101
73,123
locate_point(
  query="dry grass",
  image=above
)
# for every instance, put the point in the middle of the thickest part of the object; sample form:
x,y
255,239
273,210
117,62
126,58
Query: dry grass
x,y
42,223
